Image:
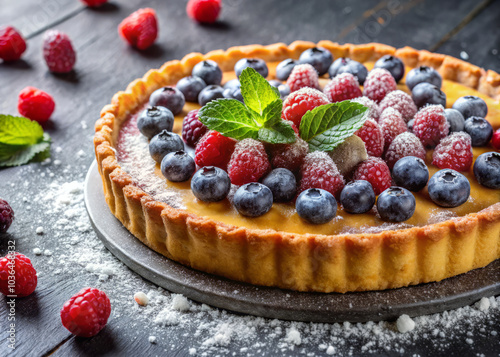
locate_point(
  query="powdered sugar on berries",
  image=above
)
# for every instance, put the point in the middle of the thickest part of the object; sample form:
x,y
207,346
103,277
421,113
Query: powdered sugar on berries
x,y
405,144
402,102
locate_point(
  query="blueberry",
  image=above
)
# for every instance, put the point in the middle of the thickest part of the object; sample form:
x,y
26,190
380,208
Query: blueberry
x,y
423,74
425,93
209,71
396,204
163,143
284,90
393,65
410,125
256,63
455,119
316,206
210,184
282,184
487,169
318,57
347,65
210,93
449,188
411,173
253,199
233,83
155,119
284,69
275,83
357,197
177,166
191,86
471,105
233,93
336,65
168,97
479,129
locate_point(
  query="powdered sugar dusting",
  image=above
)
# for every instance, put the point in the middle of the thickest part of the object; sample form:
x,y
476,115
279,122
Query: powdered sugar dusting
x,y
402,102
373,109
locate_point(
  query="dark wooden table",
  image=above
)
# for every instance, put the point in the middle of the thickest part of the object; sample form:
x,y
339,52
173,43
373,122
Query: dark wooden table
x,y
105,65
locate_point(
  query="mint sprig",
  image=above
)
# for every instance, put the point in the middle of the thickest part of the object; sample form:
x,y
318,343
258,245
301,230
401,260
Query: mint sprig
x,y
259,118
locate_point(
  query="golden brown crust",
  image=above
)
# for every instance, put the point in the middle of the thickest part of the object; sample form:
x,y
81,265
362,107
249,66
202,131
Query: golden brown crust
x,y
307,262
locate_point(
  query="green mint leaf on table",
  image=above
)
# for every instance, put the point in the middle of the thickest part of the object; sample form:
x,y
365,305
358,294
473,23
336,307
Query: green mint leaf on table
x,y
327,126
256,90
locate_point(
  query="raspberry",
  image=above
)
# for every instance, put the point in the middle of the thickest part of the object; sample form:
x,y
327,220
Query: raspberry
x,y
289,156
303,75
94,3
402,102
373,108
86,313
140,28
12,44
299,102
342,87
35,104
375,171
58,52
319,171
372,136
405,144
192,128
214,149
378,84
454,152
248,163
6,216
430,125
392,124
495,140
204,11
25,275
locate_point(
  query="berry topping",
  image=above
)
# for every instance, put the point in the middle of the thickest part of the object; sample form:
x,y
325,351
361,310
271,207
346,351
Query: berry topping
x,y
284,69
58,52
423,74
349,154
282,184
284,90
35,104
155,119
430,125
487,169
191,87
249,162
357,197
318,57
343,87
375,171
479,129
316,206
426,94
402,102
393,64
378,84
209,71
454,152
204,11
25,279
140,28
471,105
209,93
396,204
392,124
299,102
233,93
448,188
405,144
455,119
373,108
192,128
411,173
495,140
303,75
94,3
168,97
256,63
6,216
233,83
253,199
347,65
12,44
214,149
372,136
289,156
319,171
210,184
178,166
163,143
86,313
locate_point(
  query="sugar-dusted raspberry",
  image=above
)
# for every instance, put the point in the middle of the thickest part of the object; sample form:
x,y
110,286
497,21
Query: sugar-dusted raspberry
x,y
495,140
319,171
58,51
372,136
140,28
373,108
12,44
342,87
392,124
288,156
454,152
405,144
6,216
249,162
35,104
24,274
375,171
299,102
430,125
86,313
192,128
204,11
402,102
214,149
94,3
378,84
303,75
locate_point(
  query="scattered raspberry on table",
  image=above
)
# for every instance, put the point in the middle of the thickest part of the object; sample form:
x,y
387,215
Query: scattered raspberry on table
x,y
6,216
94,3
35,104
204,11
140,28
12,44
25,276
58,51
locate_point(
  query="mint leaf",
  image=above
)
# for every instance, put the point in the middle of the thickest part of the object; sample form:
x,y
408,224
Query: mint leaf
x,y
256,90
19,131
272,113
39,151
280,133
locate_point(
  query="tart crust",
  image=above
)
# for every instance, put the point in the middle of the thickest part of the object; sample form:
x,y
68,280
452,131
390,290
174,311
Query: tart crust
x,y
302,262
